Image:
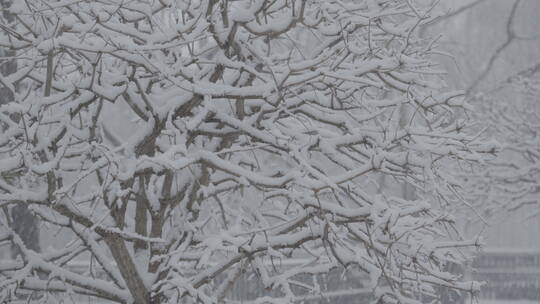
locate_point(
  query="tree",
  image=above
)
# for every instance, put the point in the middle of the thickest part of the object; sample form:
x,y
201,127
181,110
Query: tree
x,y
259,129
490,41
510,181
20,219
503,86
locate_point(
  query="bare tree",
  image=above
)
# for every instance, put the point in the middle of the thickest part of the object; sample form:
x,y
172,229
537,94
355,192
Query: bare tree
x,y
258,131
490,40
504,88
511,113
20,219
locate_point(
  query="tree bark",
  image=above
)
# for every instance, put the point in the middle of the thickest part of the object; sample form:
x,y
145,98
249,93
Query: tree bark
x,y
129,272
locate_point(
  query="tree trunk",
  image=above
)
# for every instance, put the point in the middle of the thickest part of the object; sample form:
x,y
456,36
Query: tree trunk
x,y
129,272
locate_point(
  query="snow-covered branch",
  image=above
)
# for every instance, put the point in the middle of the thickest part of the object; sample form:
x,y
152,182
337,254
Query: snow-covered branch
x,y
183,143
